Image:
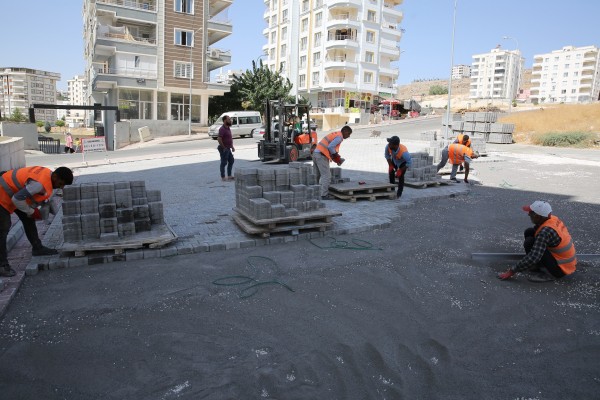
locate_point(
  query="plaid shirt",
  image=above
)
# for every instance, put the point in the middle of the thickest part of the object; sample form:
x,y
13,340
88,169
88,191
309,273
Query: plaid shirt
x,y
547,237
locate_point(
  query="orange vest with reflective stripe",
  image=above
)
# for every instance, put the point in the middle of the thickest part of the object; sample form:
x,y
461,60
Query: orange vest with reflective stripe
x,y
14,180
456,153
459,138
564,253
322,146
401,149
306,138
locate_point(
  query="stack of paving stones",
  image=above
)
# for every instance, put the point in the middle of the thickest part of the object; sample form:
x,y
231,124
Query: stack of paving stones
x,y
336,176
276,193
480,125
422,169
109,211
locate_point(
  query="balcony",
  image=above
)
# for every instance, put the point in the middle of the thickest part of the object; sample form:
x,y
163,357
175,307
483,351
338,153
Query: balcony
x,y
216,6
389,71
389,10
217,30
105,78
128,10
344,3
144,5
341,41
216,58
387,88
340,62
342,21
339,83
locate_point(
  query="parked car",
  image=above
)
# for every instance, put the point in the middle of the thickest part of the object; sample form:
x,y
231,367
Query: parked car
x,y
258,132
242,123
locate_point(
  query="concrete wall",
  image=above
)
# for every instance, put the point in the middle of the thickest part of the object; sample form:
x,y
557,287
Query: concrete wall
x,y
126,132
26,131
12,153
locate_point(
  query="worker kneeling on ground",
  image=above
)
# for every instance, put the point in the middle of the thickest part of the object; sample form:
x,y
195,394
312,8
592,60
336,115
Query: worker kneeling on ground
x,y
549,247
22,191
328,150
462,139
457,155
399,160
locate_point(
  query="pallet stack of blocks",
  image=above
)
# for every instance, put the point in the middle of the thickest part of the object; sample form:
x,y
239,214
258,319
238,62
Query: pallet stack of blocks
x,y
436,144
480,125
109,211
276,193
422,169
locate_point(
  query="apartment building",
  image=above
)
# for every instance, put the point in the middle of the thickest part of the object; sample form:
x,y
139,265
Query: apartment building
x,y
568,75
339,55
461,71
496,75
153,58
77,94
21,87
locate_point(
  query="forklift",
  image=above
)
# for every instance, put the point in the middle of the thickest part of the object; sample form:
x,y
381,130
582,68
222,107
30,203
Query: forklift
x,y
290,135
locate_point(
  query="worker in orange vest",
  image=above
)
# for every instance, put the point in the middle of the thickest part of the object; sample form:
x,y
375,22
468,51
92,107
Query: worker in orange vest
x,y
22,191
399,160
462,139
457,155
549,247
326,151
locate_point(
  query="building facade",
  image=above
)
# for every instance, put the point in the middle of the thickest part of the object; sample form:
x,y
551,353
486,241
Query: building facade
x,y
77,94
496,75
21,87
461,71
153,58
568,75
339,55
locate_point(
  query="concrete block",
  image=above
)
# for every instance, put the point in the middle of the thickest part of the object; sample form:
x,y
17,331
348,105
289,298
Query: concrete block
x,y
153,195
71,208
77,262
107,210
123,198
141,212
89,206
120,185
168,251
126,229
88,191
151,253
106,197
106,187
135,254
125,215
71,193
142,225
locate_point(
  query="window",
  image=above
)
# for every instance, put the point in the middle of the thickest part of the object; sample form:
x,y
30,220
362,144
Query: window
x,y
555,58
316,59
317,39
563,91
302,61
578,56
576,73
284,16
302,81
283,50
369,56
304,5
574,81
568,57
573,90
318,19
282,66
315,78
555,67
370,37
284,33
183,70
368,77
304,25
371,16
303,43
273,37
183,38
566,65
565,74
136,61
184,6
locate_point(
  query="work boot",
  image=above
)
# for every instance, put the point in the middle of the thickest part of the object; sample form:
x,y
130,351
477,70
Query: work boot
x,y
6,271
454,180
43,251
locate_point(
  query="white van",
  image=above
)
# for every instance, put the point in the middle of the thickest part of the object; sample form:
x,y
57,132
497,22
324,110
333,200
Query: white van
x,y
242,124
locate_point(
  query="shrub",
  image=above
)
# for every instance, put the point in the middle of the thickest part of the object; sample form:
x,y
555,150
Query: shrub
x,y
565,139
47,127
437,89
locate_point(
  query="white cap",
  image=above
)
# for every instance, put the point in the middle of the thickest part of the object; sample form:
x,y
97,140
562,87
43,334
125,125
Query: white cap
x,y
539,207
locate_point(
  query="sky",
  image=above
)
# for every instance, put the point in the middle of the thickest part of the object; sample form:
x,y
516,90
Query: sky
x,y
48,35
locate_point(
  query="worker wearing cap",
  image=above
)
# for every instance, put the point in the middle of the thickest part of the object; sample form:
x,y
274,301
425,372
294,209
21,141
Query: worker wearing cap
x,y
549,247
462,139
458,154
398,159
21,191
326,151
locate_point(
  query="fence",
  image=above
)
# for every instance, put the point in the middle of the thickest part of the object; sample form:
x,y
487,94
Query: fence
x,y
49,145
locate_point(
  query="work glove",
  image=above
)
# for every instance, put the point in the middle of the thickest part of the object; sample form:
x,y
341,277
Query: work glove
x,y
399,172
36,214
336,159
391,168
505,275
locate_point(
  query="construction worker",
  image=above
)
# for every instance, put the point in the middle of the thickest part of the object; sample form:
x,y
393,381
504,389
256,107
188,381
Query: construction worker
x,y
457,155
461,138
21,191
398,159
326,151
550,253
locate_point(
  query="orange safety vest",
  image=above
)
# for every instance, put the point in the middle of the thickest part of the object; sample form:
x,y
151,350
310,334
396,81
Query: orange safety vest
x,y
401,149
322,146
456,153
306,138
564,253
14,180
459,139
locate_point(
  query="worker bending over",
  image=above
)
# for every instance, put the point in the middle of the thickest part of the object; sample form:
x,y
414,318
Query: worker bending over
x,y
457,155
22,191
399,160
549,247
462,139
326,151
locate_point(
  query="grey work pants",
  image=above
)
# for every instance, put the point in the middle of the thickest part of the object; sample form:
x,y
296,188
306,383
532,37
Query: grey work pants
x,y
29,227
444,159
321,168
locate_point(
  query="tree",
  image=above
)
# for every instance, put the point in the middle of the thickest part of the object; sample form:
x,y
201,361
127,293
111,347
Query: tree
x,y
47,127
437,89
260,84
60,123
18,116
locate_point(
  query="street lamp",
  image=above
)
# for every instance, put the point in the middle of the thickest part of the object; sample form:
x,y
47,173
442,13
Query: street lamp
x,y
190,105
451,66
518,54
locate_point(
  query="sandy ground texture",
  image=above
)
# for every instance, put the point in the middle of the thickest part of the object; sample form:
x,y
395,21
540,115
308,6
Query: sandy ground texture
x,y
400,313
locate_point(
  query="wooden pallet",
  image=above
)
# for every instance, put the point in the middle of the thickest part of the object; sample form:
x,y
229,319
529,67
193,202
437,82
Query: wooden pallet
x,y
283,227
159,236
370,190
425,184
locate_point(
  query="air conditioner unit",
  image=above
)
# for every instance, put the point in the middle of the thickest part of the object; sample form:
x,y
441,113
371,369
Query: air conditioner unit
x,y
214,53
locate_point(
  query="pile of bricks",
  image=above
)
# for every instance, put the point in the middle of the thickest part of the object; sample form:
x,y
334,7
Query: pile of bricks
x,y
276,193
109,211
422,169
479,125
336,176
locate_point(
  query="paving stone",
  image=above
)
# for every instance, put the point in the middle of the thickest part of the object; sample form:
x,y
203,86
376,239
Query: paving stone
x,y
134,254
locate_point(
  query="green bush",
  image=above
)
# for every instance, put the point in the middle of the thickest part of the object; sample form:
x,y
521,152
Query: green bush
x,y
47,127
565,139
437,89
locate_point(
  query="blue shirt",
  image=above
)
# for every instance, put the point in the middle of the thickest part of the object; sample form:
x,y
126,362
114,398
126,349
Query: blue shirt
x,y
397,162
336,140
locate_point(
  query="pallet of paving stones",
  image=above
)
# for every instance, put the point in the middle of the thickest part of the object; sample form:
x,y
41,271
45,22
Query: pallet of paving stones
x,y
158,236
318,220
370,190
425,184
